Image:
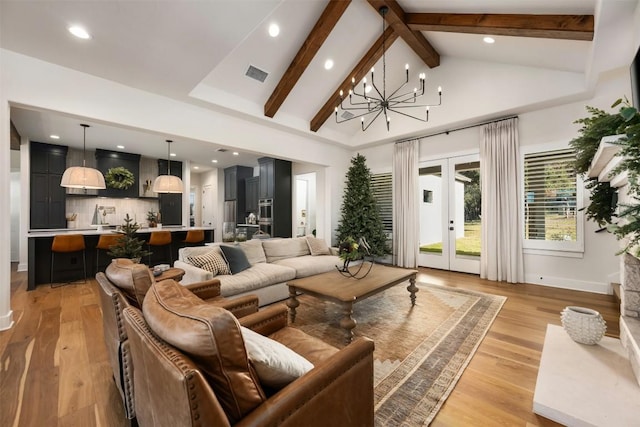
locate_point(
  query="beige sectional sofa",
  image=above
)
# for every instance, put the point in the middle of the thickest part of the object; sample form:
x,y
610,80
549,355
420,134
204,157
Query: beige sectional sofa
x,y
273,262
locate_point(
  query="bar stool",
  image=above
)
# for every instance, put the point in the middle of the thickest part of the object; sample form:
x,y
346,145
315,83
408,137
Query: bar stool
x,y
193,238
68,243
159,239
105,242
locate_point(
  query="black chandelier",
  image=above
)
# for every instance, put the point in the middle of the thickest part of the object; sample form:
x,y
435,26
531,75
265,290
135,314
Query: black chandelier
x,y
363,105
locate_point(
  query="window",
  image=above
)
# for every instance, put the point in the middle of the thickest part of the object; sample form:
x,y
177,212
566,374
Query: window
x,y
381,185
551,218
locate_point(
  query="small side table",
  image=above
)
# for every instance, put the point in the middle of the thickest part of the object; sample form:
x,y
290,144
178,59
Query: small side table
x,y
172,273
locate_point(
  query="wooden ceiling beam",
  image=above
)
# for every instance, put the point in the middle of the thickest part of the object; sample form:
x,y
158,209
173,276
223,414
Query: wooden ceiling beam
x,y
395,18
319,33
568,27
358,73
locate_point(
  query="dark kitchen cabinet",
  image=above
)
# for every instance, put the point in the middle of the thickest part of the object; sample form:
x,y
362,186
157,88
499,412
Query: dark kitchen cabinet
x,y
106,160
275,184
251,186
234,188
47,197
170,204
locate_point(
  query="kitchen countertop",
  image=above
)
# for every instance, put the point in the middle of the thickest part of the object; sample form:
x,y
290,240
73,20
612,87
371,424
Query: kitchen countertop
x,y
107,229
247,225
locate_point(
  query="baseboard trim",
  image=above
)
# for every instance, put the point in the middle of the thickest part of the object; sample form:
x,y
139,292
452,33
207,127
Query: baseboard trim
x,y
23,266
564,283
6,321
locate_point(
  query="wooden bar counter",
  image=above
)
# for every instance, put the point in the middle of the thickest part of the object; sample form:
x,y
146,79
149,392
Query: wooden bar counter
x,y
69,266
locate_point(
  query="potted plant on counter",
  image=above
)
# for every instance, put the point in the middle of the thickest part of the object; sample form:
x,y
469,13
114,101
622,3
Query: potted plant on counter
x,y
129,246
153,218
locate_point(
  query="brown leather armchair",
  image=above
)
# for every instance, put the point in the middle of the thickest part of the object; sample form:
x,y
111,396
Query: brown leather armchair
x,y
212,382
125,284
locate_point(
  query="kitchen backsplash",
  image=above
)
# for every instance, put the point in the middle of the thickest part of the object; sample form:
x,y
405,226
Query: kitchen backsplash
x,y
85,208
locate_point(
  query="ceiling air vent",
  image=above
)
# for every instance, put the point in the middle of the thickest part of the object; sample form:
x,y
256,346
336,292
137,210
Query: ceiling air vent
x,y
347,115
222,150
257,74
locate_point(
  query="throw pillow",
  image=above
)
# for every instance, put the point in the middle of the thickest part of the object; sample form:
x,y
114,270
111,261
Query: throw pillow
x,y
236,258
318,246
275,364
211,261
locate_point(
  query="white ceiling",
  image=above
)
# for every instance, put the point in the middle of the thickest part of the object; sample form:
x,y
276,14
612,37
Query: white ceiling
x,y
198,52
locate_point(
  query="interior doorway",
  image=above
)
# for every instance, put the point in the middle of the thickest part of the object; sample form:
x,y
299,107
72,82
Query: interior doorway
x,y
450,214
305,204
208,204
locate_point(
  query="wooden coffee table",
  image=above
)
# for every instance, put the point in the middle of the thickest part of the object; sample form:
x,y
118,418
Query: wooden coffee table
x,y
172,273
346,291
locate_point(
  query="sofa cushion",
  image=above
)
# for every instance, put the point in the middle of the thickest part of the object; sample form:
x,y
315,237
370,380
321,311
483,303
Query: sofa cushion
x,y
212,261
254,251
278,249
309,265
311,348
133,279
317,246
236,258
256,277
211,336
275,364
186,252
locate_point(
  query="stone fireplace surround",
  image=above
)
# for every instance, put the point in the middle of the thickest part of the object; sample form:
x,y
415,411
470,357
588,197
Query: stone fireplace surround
x,y
630,311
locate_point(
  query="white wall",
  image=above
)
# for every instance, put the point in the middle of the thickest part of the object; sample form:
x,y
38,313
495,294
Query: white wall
x,y
553,126
15,216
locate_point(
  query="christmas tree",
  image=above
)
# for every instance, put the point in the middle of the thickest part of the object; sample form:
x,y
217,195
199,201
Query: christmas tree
x,y
129,246
360,214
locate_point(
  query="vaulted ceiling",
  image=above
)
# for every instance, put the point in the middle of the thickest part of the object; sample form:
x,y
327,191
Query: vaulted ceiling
x,y
545,52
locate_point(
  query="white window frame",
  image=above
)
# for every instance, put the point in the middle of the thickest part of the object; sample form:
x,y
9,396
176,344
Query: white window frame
x,y
574,249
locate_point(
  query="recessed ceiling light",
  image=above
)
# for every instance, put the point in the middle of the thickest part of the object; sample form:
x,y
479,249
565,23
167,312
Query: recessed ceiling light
x,y
196,167
274,30
489,40
79,32
328,64
173,154
54,137
214,161
235,153
120,147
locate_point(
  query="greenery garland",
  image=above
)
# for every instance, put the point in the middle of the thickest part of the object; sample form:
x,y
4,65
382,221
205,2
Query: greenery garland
x,y
119,178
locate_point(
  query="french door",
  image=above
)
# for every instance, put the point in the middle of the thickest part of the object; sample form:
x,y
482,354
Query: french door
x,y
450,214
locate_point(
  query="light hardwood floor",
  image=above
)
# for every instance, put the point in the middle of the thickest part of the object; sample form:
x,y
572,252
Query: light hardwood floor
x,y
55,372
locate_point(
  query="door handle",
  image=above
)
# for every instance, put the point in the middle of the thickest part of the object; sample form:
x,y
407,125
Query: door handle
x,y
450,228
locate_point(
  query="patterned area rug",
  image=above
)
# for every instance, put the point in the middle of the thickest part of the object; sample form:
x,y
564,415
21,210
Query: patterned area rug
x,y
421,351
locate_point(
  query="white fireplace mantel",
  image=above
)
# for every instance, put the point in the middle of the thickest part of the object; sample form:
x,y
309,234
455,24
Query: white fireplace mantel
x,y
606,160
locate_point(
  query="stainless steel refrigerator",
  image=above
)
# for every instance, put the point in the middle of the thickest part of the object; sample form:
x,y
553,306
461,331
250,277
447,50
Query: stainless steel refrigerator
x,y
230,211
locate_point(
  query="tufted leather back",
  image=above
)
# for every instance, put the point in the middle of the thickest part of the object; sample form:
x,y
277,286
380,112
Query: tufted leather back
x,y
212,338
133,279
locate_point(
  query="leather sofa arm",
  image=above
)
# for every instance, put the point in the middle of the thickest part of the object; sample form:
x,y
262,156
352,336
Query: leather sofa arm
x,y
241,306
205,290
266,321
338,391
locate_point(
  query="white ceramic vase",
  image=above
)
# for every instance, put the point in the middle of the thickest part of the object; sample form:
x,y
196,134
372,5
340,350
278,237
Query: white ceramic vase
x,y
583,325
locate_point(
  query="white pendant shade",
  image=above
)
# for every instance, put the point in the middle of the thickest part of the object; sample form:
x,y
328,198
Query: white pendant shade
x,y
82,177
167,184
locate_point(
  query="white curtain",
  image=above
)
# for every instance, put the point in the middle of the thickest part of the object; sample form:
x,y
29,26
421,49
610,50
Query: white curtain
x,y
501,258
406,232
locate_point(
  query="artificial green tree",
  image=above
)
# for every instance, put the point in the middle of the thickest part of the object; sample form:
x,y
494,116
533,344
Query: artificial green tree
x,y
360,214
129,246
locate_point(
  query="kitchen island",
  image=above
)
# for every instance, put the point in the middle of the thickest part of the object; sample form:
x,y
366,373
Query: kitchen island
x,y
68,265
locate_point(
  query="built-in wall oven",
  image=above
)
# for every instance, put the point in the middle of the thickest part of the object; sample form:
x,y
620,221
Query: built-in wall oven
x,y
265,220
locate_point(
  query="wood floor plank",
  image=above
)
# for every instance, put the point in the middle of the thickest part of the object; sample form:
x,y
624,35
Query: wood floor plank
x,y
55,369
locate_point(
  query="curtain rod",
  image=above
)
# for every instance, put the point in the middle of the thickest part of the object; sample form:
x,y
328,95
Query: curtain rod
x,y
447,132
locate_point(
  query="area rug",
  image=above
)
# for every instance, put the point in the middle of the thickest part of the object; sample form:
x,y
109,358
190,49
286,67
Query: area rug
x,y
420,352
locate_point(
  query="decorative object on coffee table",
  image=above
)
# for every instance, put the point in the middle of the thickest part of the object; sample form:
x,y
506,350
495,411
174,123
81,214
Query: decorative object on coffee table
x,y
583,325
350,250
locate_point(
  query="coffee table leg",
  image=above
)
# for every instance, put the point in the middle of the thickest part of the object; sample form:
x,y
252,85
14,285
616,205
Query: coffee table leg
x,y
348,323
412,288
292,303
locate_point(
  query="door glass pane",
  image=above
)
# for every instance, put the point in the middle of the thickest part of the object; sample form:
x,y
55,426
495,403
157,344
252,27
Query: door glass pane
x,y
431,186
467,208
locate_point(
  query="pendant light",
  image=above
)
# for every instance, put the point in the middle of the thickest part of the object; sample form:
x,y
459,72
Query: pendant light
x,y
167,183
82,176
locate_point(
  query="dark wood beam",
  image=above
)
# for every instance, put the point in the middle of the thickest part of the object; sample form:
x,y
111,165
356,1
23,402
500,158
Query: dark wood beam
x,y
569,27
301,61
415,39
358,73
